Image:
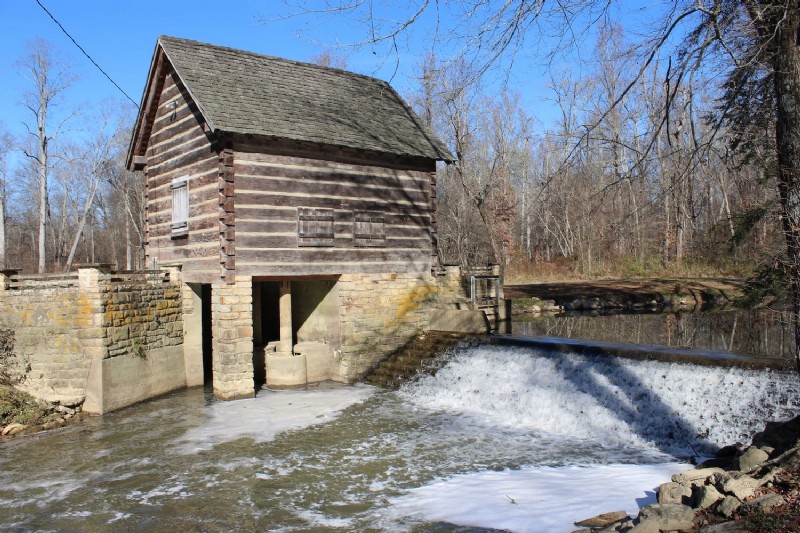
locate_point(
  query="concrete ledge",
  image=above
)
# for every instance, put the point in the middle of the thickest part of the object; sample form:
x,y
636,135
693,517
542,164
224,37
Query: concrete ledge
x,y
319,360
286,371
118,382
234,395
459,321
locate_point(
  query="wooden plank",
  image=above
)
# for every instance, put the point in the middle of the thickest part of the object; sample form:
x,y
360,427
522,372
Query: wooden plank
x,y
279,147
158,165
331,186
206,238
267,269
340,241
333,255
186,140
387,204
255,219
202,172
253,177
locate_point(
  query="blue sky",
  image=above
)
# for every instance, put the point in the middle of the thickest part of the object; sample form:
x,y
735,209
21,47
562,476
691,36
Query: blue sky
x,y
121,36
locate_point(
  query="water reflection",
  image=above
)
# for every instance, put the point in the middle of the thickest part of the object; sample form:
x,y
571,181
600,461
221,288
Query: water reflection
x,y
760,332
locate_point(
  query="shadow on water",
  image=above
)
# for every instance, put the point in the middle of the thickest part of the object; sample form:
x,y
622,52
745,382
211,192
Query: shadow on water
x,y
623,395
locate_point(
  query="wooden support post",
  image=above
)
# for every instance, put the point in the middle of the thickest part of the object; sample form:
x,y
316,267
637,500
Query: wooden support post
x,y
285,344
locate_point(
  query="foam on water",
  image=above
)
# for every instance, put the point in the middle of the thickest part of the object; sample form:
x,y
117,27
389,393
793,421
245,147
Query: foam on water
x,y
675,408
535,499
269,414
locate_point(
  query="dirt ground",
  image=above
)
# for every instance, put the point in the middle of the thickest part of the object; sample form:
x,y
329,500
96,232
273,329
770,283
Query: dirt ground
x,y
629,290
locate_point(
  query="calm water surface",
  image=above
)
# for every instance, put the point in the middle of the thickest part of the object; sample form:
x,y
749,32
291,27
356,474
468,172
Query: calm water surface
x,y
761,332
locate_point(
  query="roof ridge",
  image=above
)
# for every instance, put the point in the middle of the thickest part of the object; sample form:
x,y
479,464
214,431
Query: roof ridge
x,y
274,58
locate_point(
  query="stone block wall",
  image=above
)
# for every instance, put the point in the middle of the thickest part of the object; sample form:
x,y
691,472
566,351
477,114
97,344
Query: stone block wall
x,y
232,331
66,327
141,317
379,314
47,347
451,289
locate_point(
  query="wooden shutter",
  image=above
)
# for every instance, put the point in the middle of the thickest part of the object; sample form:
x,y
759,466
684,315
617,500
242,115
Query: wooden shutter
x,y
369,229
315,226
180,206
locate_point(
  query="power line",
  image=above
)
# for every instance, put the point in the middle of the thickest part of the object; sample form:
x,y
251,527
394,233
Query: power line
x,y
86,54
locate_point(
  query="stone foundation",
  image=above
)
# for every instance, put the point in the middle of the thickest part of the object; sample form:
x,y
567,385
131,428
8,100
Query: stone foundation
x,y
379,314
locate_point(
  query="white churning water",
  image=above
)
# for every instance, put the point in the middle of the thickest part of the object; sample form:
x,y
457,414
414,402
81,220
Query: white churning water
x,y
656,407
678,408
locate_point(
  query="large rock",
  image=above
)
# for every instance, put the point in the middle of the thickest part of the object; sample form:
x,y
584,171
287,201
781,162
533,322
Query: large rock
x,y
728,506
13,429
779,435
646,526
751,458
669,517
674,493
706,496
697,476
736,484
603,520
764,504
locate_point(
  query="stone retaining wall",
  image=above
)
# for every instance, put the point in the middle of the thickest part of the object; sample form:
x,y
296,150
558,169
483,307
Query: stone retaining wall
x,y
379,314
47,349
70,329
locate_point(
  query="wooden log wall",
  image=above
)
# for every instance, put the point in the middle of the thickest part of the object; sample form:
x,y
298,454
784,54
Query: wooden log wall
x,y
178,146
270,189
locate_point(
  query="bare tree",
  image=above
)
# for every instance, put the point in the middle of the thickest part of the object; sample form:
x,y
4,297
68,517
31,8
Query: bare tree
x,y
5,148
95,167
49,79
329,59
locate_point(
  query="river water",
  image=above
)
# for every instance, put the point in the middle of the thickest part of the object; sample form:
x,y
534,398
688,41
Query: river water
x,y
759,332
500,437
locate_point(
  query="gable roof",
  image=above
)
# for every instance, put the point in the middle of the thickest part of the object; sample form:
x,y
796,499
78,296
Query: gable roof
x,y
247,93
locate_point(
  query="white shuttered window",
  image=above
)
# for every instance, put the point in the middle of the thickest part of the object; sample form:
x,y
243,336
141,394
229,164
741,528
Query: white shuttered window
x,y
180,206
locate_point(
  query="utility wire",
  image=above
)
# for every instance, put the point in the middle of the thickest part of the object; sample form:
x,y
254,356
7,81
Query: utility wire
x,y
86,54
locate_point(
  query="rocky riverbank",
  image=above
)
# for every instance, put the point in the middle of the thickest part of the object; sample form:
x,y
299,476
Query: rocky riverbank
x,y
21,413
623,295
744,489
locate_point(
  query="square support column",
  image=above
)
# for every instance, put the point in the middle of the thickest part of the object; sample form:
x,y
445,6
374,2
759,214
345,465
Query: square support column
x,y
232,331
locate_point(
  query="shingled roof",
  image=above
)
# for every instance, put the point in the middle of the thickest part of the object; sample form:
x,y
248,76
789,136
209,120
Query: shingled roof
x,y
247,93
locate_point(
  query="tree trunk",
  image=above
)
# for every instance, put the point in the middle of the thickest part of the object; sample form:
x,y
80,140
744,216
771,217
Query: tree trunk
x,y
81,225
786,66
42,185
128,245
2,229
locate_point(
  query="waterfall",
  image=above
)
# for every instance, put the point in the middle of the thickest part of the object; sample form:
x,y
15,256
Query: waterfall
x,y
679,409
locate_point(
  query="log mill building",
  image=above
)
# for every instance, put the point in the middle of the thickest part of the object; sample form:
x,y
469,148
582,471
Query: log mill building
x,y
299,204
